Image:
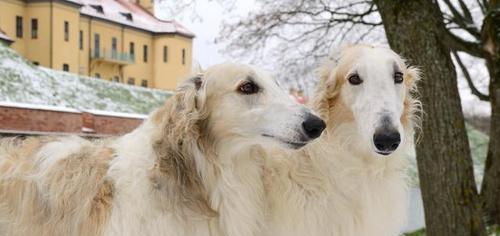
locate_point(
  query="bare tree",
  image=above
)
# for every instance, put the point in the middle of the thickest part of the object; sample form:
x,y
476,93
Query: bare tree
x,y
301,33
298,34
482,42
490,38
446,176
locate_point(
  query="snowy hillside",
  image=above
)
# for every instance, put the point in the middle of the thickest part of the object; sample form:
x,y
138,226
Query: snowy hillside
x,y
23,82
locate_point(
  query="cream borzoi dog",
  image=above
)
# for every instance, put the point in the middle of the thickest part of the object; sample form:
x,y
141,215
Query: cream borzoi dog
x,y
193,168
351,181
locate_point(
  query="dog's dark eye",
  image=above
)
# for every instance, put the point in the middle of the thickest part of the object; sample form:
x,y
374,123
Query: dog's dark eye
x,y
398,77
248,88
355,79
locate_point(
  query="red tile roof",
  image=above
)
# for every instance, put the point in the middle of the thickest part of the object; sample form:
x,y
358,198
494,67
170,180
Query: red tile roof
x,y
119,11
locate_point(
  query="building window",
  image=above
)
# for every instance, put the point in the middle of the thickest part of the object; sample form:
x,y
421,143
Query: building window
x,y
131,50
97,75
184,56
36,63
144,83
145,54
97,45
131,81
127,15
116,79
114,44
19,26
80,40
66,67
97,8
66,31
165,54
114,48
34,28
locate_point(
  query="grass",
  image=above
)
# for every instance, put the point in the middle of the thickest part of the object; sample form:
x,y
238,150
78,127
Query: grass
x,y
491,231
420,232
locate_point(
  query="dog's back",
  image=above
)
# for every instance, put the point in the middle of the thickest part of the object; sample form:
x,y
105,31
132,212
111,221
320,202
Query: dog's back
x,y
54,186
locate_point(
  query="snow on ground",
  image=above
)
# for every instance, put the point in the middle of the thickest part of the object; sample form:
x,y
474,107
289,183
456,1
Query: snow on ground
x,y
23,82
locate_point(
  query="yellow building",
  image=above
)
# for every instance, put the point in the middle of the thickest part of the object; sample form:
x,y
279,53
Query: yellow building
x,y
117,40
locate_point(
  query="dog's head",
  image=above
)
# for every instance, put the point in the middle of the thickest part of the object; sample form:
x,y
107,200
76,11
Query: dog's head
x,y
232,105
241,102
372,89
229,105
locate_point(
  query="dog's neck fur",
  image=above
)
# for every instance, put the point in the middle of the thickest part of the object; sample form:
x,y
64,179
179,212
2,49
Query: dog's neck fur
x,y
230,192
235,188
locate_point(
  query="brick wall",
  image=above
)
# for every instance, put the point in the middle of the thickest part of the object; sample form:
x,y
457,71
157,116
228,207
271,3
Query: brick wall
x,y
115,125
27,120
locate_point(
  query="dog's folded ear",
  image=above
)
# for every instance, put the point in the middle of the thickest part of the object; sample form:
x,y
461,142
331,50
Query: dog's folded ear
x,y
326,89
193,82
187,94
176,138
181,113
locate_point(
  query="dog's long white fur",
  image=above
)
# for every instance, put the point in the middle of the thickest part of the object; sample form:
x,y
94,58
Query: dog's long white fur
x,y
235,192
194,168
337,185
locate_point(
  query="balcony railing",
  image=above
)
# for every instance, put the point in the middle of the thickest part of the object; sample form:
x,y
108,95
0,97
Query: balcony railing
x,y
112,56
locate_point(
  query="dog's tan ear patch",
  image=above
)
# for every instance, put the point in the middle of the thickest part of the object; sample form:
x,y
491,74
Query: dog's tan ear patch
x,y
175,178
411,77
328,85
412,106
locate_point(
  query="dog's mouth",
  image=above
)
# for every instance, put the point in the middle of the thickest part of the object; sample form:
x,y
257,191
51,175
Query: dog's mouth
x,y
291,144
384,153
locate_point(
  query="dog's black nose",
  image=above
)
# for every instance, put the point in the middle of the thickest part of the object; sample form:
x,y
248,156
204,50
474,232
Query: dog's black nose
x,y
313,126
386,140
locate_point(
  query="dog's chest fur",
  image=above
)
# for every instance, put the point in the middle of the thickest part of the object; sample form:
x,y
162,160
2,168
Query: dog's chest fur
x,y
235,194
337,194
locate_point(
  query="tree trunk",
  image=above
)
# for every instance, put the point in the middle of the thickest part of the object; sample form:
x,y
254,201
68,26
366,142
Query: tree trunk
x,y
490,190
451,203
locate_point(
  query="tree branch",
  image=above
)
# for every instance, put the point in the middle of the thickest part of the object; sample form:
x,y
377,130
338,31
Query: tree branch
x,y
459,44
304,30
481,6
349,6
465,10
473,88
465,22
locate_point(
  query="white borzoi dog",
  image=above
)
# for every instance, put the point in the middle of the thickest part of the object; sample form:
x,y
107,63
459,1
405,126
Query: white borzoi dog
x,y
350,181
193,168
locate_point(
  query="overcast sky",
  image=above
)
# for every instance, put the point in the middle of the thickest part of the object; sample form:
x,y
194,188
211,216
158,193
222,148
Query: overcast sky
x,y
205,19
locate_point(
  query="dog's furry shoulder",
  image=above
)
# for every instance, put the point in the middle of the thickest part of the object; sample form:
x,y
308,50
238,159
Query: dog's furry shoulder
x,y
54,186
